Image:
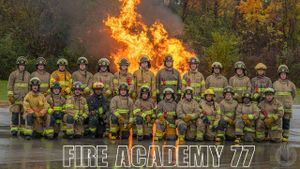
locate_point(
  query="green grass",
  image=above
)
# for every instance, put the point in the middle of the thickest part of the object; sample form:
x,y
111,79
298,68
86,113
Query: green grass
x,y
3,90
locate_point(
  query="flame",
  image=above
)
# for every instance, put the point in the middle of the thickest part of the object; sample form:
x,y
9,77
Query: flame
x,y
136,39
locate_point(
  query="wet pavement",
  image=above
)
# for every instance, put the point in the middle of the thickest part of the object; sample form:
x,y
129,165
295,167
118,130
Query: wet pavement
x,y
42,153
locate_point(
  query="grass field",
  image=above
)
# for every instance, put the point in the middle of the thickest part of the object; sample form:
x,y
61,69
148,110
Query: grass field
x,y
3,92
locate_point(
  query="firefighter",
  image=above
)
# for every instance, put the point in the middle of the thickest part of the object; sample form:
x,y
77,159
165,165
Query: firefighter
x,y
240,82
144,113
42,74
216,81
168,77
76,113
123,76
63,76
194,79
35,110
121,119
209,119
246,115
228,107
17,88
188,111
270,119
98,106
104,76
83,76
55,115
260,82
144,77
166,117
285,93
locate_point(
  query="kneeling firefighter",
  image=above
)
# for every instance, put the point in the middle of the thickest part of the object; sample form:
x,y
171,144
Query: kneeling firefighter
x,y
121,119
188,111
98,107
144,114
76,110
55,115
166,116
35,107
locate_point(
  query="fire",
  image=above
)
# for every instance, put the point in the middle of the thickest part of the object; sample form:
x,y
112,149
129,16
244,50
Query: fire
x,y
136,39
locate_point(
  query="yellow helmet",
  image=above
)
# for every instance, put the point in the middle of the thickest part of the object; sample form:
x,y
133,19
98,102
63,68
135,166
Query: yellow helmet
x,y
217,65
260,66
209,91
98,85
35,81
103,62
62,61
82,60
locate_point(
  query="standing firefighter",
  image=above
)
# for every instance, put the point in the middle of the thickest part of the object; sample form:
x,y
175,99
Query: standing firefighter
x,y
194,79
285,93
240,82
144,114
168,77
209,119
56,104
63,76
144,77
246,115
228,107
123,76
98,106
260,83
17,88
188,111
121,119
270,119
83,76
76,112
166,116
104,76
35,110
217,81
42,74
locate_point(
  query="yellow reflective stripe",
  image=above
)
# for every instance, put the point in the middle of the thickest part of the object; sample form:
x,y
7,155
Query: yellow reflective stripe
x,y
10,93
115,81
248,129
143,84
251,116
147,112
184,82
169,82
44,85
69,106
122,111
275,128
171,113
261,89
159,114
172,125
283,94
136,111
210,117
217,89
288,110
57,108
50,110
100,110
240,88
196,84
229,114
21,85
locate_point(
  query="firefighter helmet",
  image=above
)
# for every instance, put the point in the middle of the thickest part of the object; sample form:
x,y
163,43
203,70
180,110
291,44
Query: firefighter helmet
x,y
168,90
123,86
21,60
62,61
209,92
188,90
103,62
124,62
82,60
217,65
56,85
247,95
145,89
144,58
35,81
228,89
283,69
260,66
269,90
77,85
194,60
41,61
240,65
98,85
168,58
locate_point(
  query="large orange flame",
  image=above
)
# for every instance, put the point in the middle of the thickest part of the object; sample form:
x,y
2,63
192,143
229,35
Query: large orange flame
x,y
138,39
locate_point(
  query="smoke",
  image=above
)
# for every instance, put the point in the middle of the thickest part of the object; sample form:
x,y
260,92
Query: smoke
x,y
84,20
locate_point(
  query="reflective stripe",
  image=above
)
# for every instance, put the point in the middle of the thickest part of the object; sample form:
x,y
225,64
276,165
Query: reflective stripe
x,y
143,84
48,131
21,85
136,111
283,94
9,93
248,129
210,117
57,108
229,114
240,88
44,85
275,128
27,131
147,112
172,125
92,129
121,111
171,113
217,89
169,82
288,110
14,129
69,106
261,90
251,116
100,110
260,134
